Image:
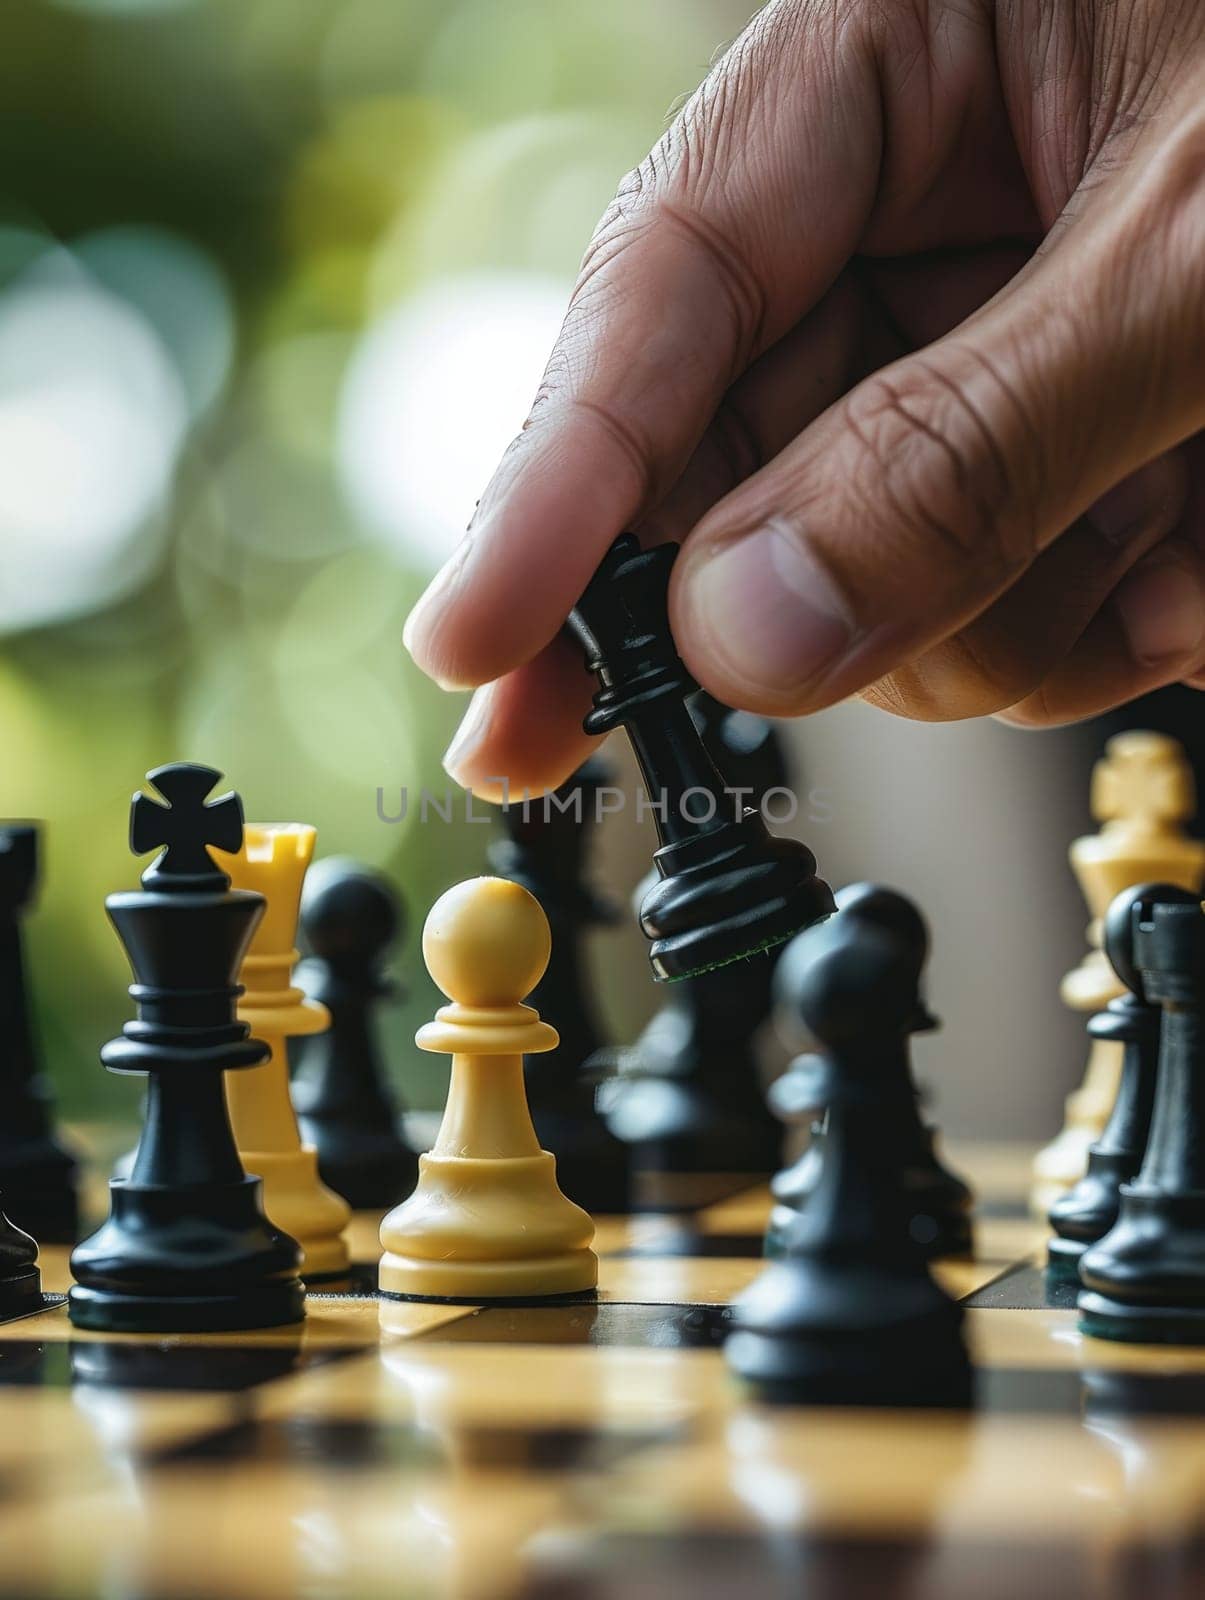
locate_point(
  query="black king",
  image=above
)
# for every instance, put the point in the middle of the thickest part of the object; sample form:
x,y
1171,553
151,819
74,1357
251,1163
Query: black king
x,y
186,1246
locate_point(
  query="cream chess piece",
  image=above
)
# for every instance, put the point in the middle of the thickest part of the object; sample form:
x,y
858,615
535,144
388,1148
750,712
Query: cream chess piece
x,y
273,860
1142,793
486,1220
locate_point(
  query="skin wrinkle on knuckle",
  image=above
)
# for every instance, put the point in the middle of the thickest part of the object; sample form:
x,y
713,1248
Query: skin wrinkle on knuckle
x,y
1177,212
958,678
921,452
988,678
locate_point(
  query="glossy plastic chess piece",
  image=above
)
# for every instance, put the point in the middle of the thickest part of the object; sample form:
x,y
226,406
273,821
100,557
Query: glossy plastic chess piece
x,y
1142,794
20,1279
939,1201
1145,1280
687,1096
38,1174
272,862
727,889
351,916
849,1313
1088,1210
186,1246
543,847
487,1220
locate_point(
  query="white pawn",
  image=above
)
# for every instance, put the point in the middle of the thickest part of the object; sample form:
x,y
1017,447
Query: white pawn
x,y
487,1220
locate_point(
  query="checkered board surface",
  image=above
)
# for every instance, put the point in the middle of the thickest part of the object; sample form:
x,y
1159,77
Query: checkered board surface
x,y
402,1450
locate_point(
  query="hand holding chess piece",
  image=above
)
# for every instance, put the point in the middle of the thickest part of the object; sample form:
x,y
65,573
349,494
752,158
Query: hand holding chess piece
x,y
726,888
487,1220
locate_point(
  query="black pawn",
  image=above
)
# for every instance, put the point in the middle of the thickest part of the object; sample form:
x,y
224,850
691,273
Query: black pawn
x,y
1086,1212
351,916
186,1246
544,848
939,1202
726,888
1145,1280
686,1098
37,1174
849,1314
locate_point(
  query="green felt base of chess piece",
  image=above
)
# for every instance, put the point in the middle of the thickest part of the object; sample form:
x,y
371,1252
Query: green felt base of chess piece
x,y
1103,1318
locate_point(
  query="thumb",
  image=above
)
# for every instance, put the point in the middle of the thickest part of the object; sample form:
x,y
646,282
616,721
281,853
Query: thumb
x,y
905,510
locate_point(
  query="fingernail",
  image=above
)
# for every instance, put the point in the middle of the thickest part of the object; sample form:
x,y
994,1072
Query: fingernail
x,y
458,757
1162,611
770,613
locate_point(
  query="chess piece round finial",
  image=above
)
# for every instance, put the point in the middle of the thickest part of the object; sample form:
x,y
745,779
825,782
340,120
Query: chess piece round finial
x,y
889,910
486,1220
486,942
349,913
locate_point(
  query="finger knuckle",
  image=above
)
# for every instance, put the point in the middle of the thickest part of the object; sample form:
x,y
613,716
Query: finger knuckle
x,y
957,678
928,455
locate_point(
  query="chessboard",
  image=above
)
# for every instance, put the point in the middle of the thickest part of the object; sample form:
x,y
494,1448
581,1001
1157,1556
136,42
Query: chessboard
x,y
598,1449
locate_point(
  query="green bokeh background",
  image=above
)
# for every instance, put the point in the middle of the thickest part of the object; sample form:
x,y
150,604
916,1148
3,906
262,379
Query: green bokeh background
x,y
330,159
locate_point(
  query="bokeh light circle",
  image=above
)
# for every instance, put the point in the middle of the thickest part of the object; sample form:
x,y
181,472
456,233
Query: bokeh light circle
x,y
434,394
92,416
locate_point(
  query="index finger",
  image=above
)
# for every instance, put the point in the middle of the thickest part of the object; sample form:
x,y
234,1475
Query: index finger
x,y
714,247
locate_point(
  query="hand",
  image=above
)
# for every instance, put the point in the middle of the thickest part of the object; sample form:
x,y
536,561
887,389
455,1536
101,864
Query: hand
x,y
901,330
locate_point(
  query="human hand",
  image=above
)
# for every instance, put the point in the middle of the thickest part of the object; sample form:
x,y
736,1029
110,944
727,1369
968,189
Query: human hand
x,y
901,330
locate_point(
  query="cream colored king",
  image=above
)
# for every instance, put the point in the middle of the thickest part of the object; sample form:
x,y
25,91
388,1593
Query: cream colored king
x,y
487,1220
273,861
1142,793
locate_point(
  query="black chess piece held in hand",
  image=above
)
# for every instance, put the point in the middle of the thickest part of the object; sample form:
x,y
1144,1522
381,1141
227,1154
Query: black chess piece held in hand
x,y
38,1175
1088,1210
727,888
1145,1280
186,1247
849,1313
939,1202
351,916
687,1097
